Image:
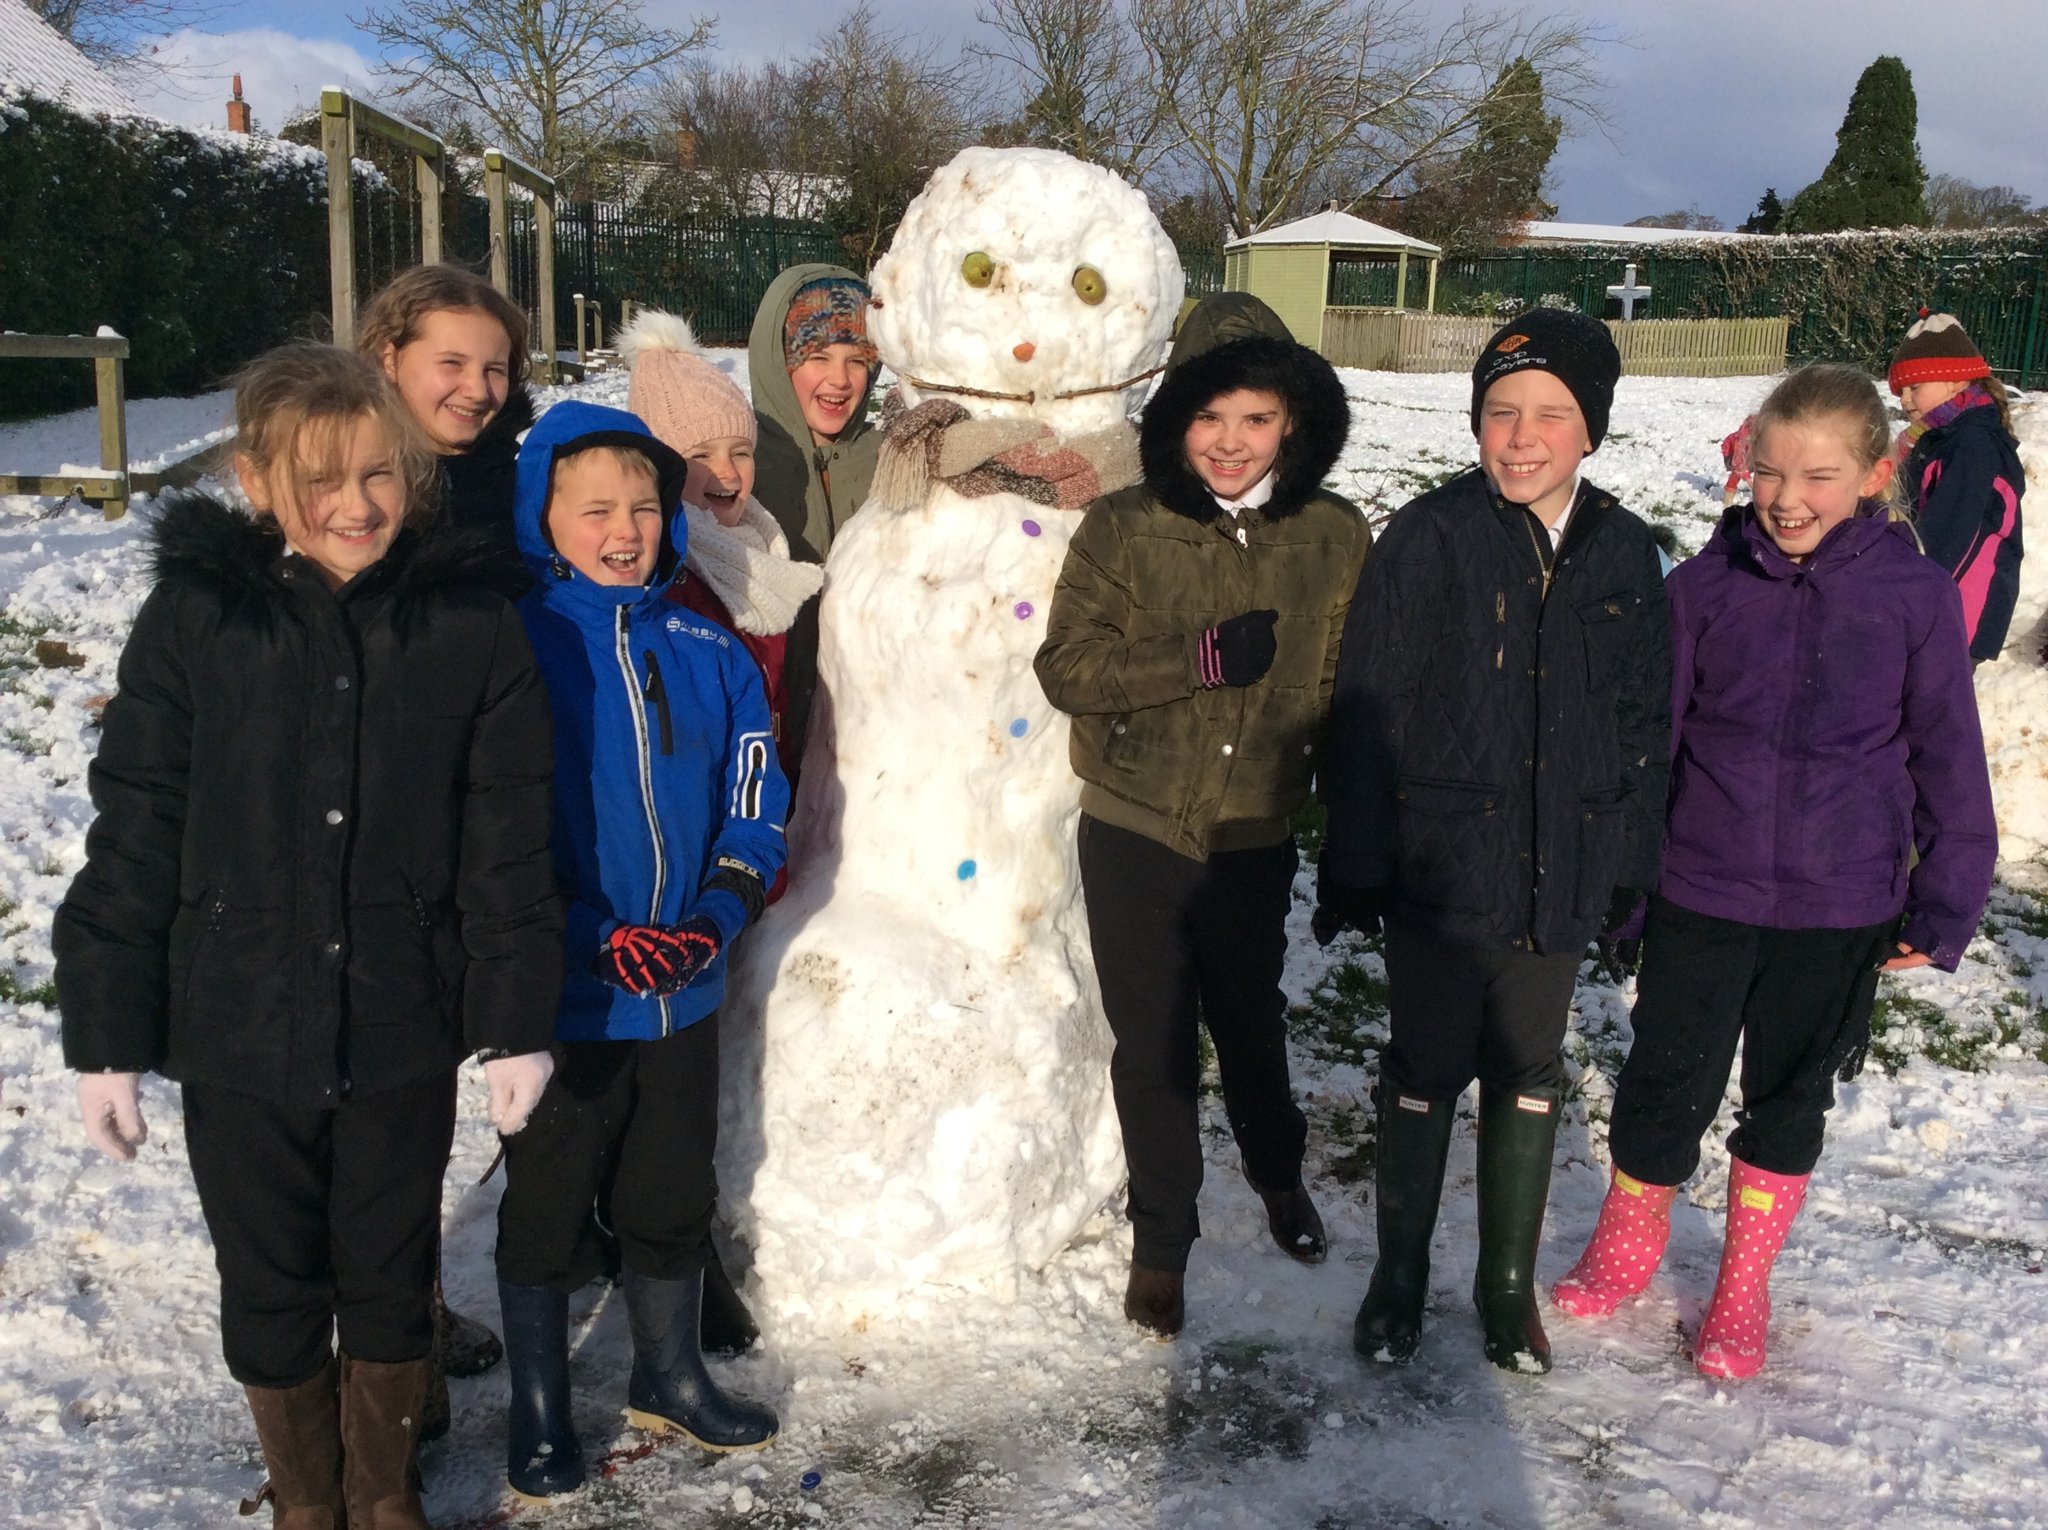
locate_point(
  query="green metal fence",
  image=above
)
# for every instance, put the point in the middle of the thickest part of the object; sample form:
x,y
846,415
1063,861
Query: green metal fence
x,y
1999,291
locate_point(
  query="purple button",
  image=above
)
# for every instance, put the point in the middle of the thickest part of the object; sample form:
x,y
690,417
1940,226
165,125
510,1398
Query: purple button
x,y
1024,610
1032,528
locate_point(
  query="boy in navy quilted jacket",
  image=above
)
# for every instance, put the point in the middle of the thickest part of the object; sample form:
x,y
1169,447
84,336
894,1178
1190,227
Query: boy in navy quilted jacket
x,y
668,827
1961,472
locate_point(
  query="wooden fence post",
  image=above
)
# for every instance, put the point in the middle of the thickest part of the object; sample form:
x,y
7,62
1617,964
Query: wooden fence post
x,y
338,142
544,240
110,385
581,357
430,178
494,193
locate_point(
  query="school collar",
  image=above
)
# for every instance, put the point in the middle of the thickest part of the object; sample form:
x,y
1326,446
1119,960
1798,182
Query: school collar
x,y
1257,497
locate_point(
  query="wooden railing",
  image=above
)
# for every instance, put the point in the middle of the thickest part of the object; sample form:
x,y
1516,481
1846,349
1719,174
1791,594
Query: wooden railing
x,y
1384,340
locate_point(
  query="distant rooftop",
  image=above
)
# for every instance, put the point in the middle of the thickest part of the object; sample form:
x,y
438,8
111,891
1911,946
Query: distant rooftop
x,y
1615,233
1332,227
36,58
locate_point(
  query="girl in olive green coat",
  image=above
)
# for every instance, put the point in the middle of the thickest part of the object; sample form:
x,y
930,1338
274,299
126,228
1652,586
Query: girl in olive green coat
x,y
1193,640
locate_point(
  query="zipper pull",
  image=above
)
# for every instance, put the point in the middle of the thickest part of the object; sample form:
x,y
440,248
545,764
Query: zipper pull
x,y
1500,616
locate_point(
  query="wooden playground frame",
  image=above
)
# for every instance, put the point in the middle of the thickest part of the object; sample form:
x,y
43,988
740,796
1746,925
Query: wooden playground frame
x,y
343,119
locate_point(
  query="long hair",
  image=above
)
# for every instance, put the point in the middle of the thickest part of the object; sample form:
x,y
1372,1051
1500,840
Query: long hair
x,y
294,408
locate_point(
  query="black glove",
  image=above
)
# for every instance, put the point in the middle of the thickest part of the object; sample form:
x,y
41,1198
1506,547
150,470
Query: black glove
x,y
655,959
1621,934
1237,652
1362,908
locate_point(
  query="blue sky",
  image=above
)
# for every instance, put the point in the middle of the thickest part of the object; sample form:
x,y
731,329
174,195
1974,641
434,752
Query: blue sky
x,y
1708,101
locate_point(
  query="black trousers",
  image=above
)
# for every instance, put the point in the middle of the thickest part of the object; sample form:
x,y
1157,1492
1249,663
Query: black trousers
x,y
1460,1012
1178,943
644,1113
1797,1000
322,1220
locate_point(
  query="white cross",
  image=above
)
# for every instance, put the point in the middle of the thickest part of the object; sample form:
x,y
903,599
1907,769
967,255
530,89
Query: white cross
x,y
1628,292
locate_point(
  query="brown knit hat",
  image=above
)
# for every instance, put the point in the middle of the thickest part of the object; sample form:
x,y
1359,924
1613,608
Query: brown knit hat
x,y
1937,349
676,389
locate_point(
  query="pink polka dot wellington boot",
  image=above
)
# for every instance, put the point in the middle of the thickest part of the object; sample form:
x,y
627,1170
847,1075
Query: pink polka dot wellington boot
x,y
1761,1208
1628,1242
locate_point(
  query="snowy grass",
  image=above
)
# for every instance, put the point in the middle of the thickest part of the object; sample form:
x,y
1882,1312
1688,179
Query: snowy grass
x,y
1908,1385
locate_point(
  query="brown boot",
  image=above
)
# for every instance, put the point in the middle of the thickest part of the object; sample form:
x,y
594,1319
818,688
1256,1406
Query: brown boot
x,y
381,1405
1294,1222
1155,1299
300,1430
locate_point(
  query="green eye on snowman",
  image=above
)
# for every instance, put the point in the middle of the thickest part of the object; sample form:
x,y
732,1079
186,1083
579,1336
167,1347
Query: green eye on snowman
x,y
978,269
1089,285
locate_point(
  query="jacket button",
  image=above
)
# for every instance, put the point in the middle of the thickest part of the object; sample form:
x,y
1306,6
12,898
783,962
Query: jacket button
x,y
1120,728
332,948
334,815
341,682
1308,748
1228,750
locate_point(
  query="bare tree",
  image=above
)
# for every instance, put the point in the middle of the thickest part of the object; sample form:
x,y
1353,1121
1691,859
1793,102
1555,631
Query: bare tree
x,y
1275,101
117,34
741,139
1953,202
557,80
1092,88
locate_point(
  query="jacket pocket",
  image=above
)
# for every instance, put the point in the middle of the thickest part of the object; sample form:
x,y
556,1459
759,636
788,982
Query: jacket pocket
x,y
1601,831
195,932
1604,625
1447,837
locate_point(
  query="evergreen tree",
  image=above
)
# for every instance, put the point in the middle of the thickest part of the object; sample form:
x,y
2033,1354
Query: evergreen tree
x,y
1768,217
1472,199
1876,179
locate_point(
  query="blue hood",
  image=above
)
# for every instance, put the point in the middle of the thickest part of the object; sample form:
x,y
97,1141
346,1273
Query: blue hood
x,y
575,426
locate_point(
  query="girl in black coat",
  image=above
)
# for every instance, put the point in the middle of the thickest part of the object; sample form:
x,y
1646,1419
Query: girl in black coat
x,y
319,878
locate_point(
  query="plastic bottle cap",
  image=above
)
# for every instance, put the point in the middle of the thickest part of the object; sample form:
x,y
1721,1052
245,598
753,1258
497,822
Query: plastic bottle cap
x,y
1019,728
1024,610
967,869
1032,528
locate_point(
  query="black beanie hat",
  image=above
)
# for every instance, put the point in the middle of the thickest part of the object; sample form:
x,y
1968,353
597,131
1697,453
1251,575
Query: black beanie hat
x,y
1576,348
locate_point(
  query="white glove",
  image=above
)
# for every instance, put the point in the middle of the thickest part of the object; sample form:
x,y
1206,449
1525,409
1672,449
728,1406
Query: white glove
x,y
112,1106
516,1084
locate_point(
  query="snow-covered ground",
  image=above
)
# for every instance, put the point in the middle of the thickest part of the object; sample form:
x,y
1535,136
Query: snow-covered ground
x,y
1908,1384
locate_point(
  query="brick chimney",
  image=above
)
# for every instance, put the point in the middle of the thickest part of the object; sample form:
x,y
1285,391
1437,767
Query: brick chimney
x,y
686,148
238,110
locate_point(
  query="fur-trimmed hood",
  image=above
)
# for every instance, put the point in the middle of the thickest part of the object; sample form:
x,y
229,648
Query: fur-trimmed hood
x,y
1231,341
194,536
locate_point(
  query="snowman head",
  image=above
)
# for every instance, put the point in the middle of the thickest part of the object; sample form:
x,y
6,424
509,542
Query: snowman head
x,y
1027,273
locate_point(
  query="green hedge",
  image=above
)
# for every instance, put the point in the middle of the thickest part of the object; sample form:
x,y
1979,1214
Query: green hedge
x,y
202,249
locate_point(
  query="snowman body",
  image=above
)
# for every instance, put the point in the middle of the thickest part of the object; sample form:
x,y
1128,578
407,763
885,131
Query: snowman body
x,y
916,1083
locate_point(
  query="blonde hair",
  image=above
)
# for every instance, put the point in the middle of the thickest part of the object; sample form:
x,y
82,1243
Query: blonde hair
x,y
2001,399
394,315
1838,393
294,407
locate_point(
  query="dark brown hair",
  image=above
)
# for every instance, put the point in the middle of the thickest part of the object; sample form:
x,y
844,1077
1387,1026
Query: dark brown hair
x,y
393,316
293,409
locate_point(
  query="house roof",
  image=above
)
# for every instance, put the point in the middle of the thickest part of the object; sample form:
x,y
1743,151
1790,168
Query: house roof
x,y
36,58
1332,227
1538,232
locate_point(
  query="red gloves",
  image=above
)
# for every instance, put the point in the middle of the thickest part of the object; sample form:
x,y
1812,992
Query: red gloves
x,y
657,959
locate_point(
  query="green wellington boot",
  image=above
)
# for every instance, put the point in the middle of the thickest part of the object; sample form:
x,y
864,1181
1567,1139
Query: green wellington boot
x,y
1517,1130
1408,1183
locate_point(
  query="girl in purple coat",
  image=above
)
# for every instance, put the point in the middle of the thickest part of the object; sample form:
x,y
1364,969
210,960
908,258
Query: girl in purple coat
x,y
1823,731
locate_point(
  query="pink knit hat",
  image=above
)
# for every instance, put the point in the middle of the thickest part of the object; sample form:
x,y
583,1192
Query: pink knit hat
x,y
676,389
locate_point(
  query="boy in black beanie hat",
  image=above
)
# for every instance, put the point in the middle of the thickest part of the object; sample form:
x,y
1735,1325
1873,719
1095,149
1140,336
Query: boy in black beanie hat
x,y
1495,783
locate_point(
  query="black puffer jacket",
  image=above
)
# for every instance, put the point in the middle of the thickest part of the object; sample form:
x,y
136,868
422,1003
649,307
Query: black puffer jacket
x,y
321,857
1498,759
477,485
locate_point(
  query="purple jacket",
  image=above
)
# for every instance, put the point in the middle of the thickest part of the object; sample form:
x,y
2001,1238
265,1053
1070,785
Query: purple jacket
x,y
1823,726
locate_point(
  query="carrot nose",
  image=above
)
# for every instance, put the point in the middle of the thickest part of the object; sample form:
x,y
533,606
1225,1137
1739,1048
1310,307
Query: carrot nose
x,y
1025,351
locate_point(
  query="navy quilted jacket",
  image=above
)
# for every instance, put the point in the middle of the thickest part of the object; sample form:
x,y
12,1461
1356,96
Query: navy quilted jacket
x,y
1498,755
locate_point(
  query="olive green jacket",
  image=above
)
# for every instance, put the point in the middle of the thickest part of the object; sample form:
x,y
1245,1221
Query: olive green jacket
x,y
1198,770
811,491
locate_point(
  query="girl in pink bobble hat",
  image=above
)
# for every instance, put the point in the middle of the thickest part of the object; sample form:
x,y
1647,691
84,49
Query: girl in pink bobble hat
x,y
737,568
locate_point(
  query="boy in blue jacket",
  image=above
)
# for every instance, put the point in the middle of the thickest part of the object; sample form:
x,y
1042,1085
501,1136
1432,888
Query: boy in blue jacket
x,y
669,812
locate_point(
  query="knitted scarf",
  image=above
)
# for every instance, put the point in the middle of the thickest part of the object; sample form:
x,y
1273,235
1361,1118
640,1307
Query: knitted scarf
x,y
749,568
938,441
1973,397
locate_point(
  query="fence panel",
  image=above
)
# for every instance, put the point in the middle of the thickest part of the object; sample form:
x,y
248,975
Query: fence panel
x,y
1389,341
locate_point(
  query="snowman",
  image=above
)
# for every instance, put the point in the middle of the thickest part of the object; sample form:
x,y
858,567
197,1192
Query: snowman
x,y
916,1079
